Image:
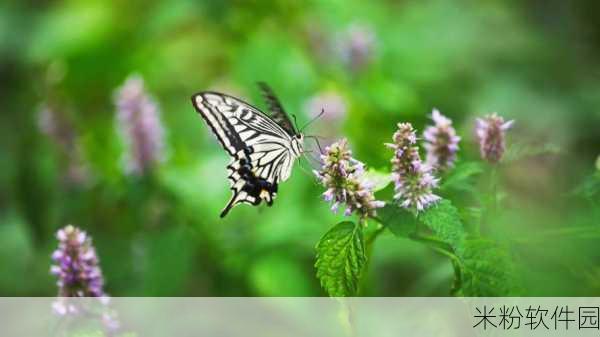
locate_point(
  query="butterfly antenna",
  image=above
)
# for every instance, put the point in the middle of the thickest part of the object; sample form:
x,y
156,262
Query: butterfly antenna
x,y
312,120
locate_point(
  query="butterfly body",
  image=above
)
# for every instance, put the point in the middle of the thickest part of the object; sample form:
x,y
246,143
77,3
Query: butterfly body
x,y
263,148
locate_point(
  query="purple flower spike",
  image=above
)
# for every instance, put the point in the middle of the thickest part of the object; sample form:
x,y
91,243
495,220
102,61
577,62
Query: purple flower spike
x,y
490,131
138,119
413,180
76,265
441,142
342,175
77,268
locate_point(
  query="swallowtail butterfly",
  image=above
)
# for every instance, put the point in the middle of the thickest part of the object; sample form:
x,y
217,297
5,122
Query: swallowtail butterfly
x,y
262,147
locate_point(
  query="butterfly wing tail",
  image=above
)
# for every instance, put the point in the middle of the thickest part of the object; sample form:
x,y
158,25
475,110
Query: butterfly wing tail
x,y
229,205
239,197
238,177
247,187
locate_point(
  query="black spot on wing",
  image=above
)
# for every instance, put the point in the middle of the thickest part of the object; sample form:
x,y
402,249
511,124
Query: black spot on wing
x,y
246,186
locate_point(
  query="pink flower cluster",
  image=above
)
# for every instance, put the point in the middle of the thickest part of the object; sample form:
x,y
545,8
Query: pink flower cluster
x,y
413,180
441,142
490,131
343,176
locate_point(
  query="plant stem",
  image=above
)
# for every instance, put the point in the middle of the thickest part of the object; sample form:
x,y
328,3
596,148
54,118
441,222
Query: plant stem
x,y
369,243
457,266
490,202
494,190
371,239
447,250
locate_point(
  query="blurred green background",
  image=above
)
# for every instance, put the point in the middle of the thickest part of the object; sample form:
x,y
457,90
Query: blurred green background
x,y
368,64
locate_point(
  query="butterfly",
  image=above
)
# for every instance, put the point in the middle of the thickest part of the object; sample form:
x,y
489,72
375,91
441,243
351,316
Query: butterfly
x,y
262,147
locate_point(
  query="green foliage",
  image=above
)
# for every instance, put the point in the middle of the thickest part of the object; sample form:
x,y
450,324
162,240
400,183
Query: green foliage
x,y
398,220
341,258
461,177
443,219
485,266
161,235
487,269
482,267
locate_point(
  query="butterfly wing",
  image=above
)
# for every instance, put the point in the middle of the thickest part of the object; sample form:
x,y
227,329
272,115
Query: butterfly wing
x,y
259,148
277,113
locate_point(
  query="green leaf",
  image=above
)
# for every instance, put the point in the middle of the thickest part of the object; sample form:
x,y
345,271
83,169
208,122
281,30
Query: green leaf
x,y
341,258
461,177
400,221
380,180
444,220
486,266
483,267
487,269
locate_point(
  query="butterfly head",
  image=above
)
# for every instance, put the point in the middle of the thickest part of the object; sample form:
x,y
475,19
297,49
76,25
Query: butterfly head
x,y
298,144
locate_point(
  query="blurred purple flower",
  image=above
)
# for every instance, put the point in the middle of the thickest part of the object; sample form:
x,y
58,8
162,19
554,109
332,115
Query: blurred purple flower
x,y
332,104
54,124
334,109
343,176
318,42
441,142
490,131
357,46
413,180
138,119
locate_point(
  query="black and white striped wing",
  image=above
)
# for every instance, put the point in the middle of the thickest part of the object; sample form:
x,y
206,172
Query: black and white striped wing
x,y
278,114
260,151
